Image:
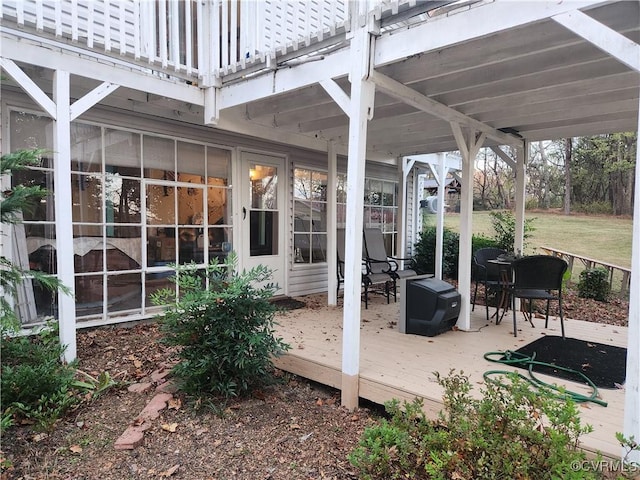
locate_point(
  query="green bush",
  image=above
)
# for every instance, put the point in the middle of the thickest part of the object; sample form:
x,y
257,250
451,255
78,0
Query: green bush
x,y
35,383
424,259
510,432
225,331
594,283
594,208
504,225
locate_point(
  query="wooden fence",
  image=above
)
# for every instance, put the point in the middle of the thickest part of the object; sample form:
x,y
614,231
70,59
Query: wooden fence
x,y
592,263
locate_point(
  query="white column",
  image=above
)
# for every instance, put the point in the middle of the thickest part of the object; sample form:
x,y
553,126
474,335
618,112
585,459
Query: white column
x,y
362,93
64,229
466,219
632,384
401,246
441,178
522,158
332,199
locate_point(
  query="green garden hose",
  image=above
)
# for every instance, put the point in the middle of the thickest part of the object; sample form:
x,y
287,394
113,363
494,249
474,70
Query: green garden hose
x,y
510,357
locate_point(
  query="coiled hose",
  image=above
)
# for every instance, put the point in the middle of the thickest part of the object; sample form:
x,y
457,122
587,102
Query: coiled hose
x,y
510,357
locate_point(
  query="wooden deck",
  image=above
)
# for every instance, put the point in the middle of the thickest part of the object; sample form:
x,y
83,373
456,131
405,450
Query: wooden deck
x,y
394,365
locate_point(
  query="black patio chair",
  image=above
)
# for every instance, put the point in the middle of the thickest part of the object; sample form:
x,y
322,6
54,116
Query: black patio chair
x,y
486,273
372,281
378,261
538,277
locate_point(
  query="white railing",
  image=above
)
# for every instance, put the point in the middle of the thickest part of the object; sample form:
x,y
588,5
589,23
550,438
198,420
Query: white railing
x,y
193,38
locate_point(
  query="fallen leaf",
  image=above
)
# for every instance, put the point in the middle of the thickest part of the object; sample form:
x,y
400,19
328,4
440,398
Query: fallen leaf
x,y
38,437
170,427
75,448
175,403
169,472
137,363
294,426
319,402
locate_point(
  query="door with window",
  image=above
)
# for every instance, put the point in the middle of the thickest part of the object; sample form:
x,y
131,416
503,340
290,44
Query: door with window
x,y
262,214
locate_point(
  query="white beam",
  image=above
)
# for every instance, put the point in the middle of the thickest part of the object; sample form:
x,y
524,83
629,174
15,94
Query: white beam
x,y
505,158
409,96
211,110
29,86
105,69
337,94
441,176
362,96
632,383
465,26
64,229
624,49
285,79
90,99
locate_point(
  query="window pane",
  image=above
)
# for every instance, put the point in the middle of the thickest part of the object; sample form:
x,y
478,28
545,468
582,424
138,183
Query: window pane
x,y
218,164
124,292
31,131
89,295
219,211
122,151
319,186
190,206
159,158
161,246
191,161
302,247
389,194
86,148
190,245
88,248
86,197
302,216
122,197
44,210
161,205
301,183
319,247
264,183
155,282
124,248
263,236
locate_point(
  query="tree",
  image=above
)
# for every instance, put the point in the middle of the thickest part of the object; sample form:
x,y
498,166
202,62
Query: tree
x,y
568,150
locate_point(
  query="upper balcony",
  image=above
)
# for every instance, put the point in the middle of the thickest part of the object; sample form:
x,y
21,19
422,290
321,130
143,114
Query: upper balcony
x,y
202,41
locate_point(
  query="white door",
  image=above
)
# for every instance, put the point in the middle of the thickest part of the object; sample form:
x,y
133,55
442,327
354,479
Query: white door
x,y
262,214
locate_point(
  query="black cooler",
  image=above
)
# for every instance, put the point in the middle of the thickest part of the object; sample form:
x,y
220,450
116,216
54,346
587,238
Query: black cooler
x,y
431,307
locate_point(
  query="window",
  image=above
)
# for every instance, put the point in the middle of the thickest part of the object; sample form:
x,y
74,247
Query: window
x,y
139,202
309,216
380,207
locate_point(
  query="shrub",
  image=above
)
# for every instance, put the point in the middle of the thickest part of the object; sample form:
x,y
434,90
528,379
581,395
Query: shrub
x,y
594,283
511,432
225,332
425,251
35,383
504,225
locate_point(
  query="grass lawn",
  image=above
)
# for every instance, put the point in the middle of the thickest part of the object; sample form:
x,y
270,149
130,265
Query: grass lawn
x,y
602,238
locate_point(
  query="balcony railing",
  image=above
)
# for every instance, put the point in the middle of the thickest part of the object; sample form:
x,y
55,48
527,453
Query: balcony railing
x,y
192,39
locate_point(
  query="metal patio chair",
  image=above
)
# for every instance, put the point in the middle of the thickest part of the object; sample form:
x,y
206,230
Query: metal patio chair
x,y
372,281
378,261
538,277
486,273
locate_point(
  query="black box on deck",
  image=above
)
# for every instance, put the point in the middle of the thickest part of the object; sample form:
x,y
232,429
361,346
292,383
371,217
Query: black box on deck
x,y
429,306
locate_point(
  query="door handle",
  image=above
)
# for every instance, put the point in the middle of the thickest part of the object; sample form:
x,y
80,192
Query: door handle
x,y
244,213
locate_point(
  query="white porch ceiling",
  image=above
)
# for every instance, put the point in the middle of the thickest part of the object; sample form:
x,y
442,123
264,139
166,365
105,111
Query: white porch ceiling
x,y
536,79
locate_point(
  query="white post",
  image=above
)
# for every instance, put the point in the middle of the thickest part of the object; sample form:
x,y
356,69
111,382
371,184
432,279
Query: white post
x,y
632,384
362,93
522,158
466,213
332,246
401,246
64,229
441,175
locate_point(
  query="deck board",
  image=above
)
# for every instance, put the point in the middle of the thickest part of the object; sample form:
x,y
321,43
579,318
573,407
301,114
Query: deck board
x,y
394,365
